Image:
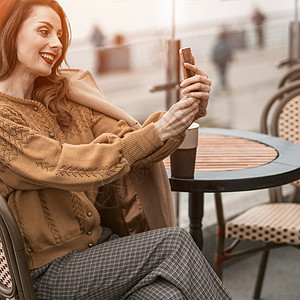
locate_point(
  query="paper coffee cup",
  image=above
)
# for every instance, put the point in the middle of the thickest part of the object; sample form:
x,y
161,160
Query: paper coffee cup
x,y
191,138
183,159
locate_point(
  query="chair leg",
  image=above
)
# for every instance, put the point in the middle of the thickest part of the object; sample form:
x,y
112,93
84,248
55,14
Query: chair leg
x,y
177,208
275,194
220,236
293,195
219,267
261,273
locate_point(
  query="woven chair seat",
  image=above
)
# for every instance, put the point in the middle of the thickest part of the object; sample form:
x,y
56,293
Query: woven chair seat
x,y
5,277
288,123
15,278
274,222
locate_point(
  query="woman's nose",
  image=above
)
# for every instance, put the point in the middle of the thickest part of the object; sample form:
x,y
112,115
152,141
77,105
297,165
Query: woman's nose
x,y
55,43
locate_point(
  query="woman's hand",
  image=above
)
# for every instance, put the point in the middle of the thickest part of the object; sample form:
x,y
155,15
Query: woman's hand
x,y
197,87
178,118
181,115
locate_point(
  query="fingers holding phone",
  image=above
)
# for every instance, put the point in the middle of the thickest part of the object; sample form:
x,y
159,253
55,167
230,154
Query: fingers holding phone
x,y
196,83
196,88
191,73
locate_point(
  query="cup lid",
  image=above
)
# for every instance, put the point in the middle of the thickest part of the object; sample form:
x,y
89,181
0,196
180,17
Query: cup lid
x,y
191,138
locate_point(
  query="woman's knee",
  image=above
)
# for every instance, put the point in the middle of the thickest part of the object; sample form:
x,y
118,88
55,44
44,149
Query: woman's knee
x,y
177,236
181,234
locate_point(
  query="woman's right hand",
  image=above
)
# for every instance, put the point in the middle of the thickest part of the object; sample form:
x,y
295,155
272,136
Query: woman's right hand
x,y
181,115
178,118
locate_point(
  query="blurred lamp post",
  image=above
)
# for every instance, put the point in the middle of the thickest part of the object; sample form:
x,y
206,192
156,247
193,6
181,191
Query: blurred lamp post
x,y
171,86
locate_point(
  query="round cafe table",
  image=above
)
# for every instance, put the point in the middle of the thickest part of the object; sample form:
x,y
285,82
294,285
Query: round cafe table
x,y
231,160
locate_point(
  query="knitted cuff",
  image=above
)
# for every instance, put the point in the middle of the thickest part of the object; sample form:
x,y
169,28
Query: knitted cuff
x,y
140,143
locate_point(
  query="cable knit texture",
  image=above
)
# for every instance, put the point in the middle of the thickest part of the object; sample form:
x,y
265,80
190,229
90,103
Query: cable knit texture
x,y
50,176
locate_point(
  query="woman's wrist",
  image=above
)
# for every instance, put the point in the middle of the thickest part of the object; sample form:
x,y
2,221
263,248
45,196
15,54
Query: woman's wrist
x,y
160,130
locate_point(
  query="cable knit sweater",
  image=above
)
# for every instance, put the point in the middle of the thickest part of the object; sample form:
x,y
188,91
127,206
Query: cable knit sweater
x,y
50,176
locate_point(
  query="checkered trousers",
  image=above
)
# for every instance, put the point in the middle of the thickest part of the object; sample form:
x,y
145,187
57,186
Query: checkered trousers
x,y
158,264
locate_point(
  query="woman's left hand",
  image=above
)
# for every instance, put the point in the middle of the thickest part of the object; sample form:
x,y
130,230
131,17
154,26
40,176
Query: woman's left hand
x,y
197,87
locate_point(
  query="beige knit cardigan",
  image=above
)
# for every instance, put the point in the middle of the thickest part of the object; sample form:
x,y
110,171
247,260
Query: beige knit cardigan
x,y
150,181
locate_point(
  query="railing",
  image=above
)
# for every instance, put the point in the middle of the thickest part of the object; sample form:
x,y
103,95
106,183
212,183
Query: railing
x,y
148,52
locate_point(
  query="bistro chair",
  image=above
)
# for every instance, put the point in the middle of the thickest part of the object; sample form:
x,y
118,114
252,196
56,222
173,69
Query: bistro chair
x,y
15,276
281,118
292,74
276,223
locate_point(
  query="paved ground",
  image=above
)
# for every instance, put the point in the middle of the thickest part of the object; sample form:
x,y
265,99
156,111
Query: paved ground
x,y
281,279
253,79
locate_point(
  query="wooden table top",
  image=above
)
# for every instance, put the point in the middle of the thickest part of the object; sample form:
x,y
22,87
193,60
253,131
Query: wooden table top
x,y
233,160
223,153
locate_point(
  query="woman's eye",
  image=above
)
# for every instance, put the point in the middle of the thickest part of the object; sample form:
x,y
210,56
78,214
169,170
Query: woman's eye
x,y
44,32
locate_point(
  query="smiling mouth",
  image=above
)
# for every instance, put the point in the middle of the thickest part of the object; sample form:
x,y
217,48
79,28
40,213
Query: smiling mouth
x,y
48,58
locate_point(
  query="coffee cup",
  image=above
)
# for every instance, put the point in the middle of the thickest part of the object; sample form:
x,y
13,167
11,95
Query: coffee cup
x,y
183,159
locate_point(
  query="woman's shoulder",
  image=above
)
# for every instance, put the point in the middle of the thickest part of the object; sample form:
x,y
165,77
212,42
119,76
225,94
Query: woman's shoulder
x,y
75,73
10,103
14,115
85,77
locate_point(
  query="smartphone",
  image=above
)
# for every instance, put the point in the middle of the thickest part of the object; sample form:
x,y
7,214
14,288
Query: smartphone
x,y
186,56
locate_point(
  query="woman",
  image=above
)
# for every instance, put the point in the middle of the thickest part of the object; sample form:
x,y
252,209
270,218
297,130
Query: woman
x,y
65,166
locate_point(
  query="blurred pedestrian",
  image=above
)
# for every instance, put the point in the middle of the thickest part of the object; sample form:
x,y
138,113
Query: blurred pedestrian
x,y
97,38
222,54
258,19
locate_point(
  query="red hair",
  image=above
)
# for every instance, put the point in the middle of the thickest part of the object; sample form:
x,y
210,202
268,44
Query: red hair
x,y
5,8
50,90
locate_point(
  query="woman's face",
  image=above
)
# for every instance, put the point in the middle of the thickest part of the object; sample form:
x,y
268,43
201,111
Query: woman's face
x,y
38,42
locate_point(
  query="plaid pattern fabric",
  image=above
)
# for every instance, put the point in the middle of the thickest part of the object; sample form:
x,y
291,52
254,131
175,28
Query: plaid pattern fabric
x,y
162,290
158,264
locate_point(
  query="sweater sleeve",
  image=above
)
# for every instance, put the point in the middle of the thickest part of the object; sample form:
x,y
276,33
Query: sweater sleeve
x,y
168,146
30,159
83,89
139,140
